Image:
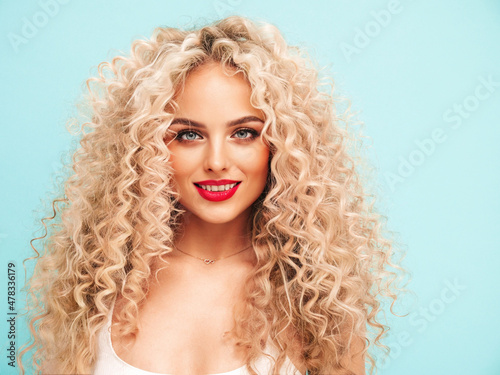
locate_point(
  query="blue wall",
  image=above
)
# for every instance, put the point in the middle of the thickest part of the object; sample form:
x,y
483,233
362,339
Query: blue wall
x,y
423,76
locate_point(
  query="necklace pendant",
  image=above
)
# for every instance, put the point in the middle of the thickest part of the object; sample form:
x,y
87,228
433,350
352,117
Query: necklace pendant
x,y
209,261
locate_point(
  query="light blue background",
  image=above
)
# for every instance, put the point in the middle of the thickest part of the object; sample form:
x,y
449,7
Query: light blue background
x,y
427,58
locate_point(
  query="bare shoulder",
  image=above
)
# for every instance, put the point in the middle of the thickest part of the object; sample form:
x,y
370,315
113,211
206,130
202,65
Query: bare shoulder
x,y
355,362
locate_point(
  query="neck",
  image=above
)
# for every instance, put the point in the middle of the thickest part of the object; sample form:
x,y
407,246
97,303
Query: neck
x,y
213,240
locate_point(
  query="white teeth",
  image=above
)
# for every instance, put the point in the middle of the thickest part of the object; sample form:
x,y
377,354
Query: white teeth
x,y
218,188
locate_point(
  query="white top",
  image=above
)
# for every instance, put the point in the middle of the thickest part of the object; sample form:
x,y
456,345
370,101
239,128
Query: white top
x,y
108,361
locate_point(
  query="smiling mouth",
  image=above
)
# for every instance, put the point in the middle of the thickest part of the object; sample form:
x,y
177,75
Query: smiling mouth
x,y
217,188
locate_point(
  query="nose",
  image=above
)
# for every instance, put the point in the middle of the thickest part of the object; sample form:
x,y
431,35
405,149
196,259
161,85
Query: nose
x,y
217,158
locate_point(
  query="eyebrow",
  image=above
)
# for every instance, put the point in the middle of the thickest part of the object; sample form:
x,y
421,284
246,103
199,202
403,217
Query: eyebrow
x,y
195,124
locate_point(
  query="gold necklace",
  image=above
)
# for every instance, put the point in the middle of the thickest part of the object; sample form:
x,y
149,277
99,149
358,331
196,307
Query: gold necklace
x,y
211,261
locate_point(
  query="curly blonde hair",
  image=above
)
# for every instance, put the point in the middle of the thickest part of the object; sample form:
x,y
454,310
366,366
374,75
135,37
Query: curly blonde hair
x,y
323,264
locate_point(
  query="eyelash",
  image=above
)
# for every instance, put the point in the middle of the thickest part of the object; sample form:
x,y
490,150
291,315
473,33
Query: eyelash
x,y
249,130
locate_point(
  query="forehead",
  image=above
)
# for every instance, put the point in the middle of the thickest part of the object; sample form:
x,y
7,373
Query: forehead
x,y
209,90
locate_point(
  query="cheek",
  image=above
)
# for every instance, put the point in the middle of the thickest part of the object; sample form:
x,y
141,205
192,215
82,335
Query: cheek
x,y
258,163
181,162
180,169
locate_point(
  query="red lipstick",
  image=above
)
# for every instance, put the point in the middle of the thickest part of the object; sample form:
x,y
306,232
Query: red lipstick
x,y
216,196
216,182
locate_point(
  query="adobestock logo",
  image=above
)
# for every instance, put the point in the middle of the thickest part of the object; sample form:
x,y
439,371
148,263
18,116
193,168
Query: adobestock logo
x,y
223,7
460,111
31,25
454,117
422,319
372,29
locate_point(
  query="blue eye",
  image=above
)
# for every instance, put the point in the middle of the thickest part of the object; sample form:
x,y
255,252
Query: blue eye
x,y
181,133
253,134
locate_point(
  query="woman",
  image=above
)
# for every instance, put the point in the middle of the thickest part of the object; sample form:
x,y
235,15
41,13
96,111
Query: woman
x,y
215,219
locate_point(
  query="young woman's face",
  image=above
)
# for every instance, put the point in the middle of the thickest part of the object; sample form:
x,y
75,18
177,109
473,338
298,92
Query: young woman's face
x,y
215,135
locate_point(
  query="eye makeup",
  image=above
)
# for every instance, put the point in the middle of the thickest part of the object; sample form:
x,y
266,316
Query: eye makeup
x,y
253,134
